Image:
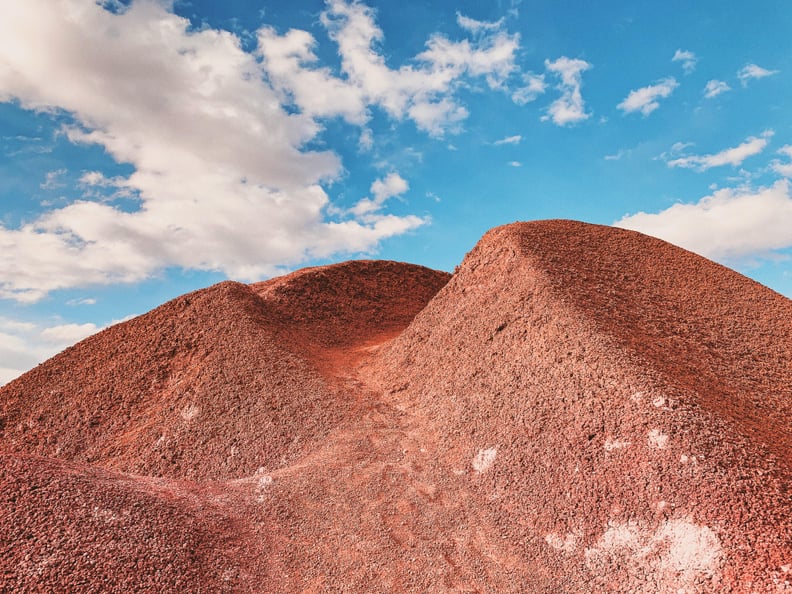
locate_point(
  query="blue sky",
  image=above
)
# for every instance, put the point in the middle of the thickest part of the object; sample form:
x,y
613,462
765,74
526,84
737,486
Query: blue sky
x,y
150,148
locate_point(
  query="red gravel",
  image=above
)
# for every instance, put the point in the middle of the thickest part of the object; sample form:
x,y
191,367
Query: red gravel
x,y
580,409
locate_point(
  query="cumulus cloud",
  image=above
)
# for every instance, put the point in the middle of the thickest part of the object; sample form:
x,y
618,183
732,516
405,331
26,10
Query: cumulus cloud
x,y
424,90
715,87
734,156
752,71
390,186
221,170
687,58
730,225
25,344
570,107
645,99
533,86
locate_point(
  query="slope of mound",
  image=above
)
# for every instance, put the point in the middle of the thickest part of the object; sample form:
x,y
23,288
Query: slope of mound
x,y
351,303
197,388
619,404
214,384
579,409
73,528
724,337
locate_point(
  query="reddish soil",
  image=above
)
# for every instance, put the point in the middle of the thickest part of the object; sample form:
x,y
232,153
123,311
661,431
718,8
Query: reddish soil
x,y
579,409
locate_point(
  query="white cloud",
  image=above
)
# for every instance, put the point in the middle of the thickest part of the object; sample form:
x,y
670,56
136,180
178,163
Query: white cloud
x,y
678,147
715,87
438,117
514,164
781,168
687,58
645,99
221,171
475,26
617,155
25,344
382,189
753,145
534,85
509,140
729,225
366,140
752,71
52,180
82,301
424,91
570,107
287,60
67,333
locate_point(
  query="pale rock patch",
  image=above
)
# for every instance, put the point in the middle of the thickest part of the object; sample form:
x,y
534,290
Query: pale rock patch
x,y
657,439
675,555
484,459
263,483
616,444
567,544
189,412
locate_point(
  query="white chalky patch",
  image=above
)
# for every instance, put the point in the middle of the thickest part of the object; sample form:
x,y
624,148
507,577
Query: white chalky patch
x,y
107,515
684,459
659,402
657,439
615,444
262,484
484,459
676,554
189,412
568,544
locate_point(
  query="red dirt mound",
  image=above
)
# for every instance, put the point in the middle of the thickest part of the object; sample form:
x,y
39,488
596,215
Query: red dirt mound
x,y
351,303
579,409
623,407
216,383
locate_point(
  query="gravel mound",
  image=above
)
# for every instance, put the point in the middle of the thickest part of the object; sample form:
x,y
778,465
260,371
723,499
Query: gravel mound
x,y
578,409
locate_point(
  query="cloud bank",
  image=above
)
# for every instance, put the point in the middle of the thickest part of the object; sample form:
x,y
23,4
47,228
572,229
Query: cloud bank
x,y
218,137
730,225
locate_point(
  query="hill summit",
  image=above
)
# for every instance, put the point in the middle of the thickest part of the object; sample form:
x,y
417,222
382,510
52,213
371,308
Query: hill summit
x,y
577,408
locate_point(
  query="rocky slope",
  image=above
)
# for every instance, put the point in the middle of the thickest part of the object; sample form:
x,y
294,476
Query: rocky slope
x,y
579,409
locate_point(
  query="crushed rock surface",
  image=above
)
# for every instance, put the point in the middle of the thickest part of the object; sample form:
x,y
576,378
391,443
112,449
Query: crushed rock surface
x,y
577,409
